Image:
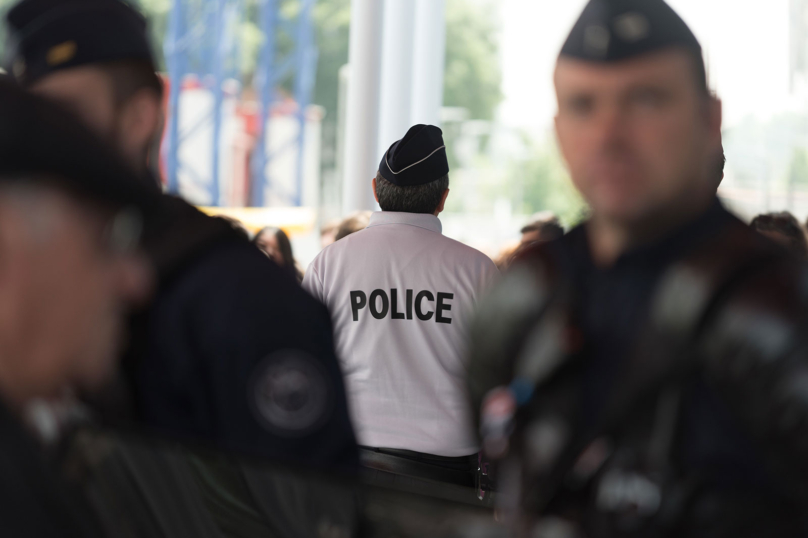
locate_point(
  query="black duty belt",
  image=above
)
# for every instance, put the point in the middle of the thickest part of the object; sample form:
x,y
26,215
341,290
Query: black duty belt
x,y
457,471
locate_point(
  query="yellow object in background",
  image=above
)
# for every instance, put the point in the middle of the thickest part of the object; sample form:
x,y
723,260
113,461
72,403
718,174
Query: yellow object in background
x,y
292,220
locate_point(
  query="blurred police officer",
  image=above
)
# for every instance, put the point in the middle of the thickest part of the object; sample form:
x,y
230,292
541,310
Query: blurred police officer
x,y
653,359
70,272
399,293
230,352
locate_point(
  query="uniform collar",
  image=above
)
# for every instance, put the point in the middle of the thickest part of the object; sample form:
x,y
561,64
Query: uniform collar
x,y
421,220
663,250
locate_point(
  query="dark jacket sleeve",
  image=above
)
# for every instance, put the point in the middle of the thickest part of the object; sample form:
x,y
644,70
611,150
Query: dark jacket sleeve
x,y
501,324
240,356
756,350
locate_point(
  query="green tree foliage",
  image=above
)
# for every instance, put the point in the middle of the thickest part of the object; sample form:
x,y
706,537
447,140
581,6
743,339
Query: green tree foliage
x,y
472,52
333,21
542,183
250,37
473,76
157,12
798,171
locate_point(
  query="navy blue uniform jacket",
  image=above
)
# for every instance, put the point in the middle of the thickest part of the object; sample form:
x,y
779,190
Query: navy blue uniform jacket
x,y
235,353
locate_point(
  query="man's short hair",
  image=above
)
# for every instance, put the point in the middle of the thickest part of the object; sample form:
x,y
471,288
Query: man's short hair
x,y
786,225
351,224
130,76
417,199
700,72
547,224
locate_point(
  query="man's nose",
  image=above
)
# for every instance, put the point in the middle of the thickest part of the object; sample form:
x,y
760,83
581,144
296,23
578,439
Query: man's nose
x,y
611,127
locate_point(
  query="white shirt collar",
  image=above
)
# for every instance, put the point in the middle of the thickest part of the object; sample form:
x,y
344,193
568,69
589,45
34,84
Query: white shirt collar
x,y
421,220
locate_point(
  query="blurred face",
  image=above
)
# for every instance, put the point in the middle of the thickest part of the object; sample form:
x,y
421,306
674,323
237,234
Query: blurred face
x,y
637,135
64,294
269,244
328,236
88,92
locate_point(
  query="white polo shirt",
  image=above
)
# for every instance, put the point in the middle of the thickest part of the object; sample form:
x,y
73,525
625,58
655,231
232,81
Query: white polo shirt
x,y
400,296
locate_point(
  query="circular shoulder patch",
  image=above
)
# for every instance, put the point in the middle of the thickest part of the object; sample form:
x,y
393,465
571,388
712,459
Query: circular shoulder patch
x,y
290,394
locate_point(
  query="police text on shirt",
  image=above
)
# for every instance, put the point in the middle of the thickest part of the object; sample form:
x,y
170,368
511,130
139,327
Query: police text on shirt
x,y
380,305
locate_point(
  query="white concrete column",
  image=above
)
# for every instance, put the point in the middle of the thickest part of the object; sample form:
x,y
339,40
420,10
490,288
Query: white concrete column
x,y
362,115
429,61
397,72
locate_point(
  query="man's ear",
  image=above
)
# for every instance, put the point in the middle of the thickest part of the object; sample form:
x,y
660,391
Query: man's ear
x,y
715,116
374,190
14,273
139,120
712,114
442,203
6,242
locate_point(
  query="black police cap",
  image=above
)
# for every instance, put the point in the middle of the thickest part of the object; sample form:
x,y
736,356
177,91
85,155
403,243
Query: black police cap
x,y
615,30
416,159
48,35
40,142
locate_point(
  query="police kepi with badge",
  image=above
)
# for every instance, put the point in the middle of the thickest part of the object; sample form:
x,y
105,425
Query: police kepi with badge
x,y
400,293
645,375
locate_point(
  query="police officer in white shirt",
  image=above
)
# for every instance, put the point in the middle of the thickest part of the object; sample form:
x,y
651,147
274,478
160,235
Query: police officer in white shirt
x,y
400,294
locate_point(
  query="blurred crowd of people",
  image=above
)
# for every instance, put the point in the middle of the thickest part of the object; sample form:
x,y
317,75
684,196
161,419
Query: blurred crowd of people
x,y
782,227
